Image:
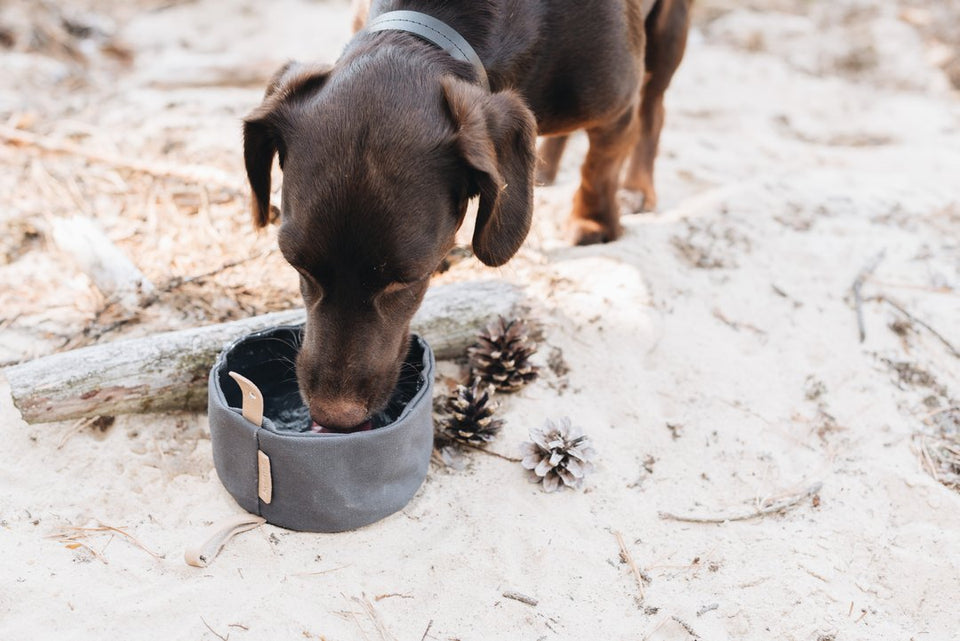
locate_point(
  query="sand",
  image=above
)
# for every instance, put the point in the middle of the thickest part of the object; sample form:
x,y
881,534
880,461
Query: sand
x,y
713,357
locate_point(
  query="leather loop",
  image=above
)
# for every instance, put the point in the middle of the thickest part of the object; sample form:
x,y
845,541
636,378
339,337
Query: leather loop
x,y
252,406
264,478
434,31
216,536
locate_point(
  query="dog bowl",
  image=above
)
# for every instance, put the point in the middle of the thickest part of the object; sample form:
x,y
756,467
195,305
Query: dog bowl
x,y
274,465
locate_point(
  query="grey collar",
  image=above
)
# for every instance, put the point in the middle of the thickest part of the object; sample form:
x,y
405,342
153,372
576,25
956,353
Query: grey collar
x,y
435,32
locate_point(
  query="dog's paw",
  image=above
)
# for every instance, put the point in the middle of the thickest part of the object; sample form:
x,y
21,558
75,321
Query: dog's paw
x,y
589,232
634,201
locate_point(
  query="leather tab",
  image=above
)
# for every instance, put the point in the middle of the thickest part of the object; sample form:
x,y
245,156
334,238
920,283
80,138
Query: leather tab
x,y
216,536
264,479
252,407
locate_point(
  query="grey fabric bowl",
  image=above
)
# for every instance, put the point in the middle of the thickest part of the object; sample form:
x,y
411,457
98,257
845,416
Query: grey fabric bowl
x,y
318,482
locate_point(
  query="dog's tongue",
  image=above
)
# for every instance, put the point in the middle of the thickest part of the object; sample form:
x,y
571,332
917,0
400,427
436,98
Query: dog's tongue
x,y
363,427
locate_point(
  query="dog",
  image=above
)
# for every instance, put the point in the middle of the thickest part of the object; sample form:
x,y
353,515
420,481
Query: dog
x,y
382,151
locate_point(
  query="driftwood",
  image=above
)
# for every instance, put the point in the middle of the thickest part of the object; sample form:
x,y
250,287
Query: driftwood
x,y
168,372
117,278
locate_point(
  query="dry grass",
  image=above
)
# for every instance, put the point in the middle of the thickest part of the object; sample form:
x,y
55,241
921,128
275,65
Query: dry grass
x,y
939,446
180,216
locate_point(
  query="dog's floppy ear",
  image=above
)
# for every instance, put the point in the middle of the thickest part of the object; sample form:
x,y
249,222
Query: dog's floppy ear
x,y
262,138
496,134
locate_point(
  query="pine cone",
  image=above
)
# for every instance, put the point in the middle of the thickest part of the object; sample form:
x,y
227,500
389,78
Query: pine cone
x,y
559,455
470,414
501,357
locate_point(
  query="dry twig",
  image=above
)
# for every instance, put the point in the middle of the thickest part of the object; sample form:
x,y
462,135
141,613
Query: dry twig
x,y
940,455
179,281
215,633
319,572
522,598
425,632
75,429
734,325
374,617
927,459
862,277
900,308
74,535
686,627
773,508
490,452
71,544
625,553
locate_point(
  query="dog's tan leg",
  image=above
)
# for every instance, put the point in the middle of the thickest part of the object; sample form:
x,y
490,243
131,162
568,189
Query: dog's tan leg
x,y
548,158
641,194
666,29
361,8
596,213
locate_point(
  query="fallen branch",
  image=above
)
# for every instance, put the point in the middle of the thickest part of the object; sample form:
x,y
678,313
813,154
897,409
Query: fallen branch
x,y
168,372
773,508
108,268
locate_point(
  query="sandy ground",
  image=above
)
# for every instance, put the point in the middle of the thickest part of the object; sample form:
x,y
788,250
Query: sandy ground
x,y
713,356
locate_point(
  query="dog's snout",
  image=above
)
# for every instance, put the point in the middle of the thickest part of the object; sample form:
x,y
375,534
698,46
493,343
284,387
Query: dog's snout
x,y
338,414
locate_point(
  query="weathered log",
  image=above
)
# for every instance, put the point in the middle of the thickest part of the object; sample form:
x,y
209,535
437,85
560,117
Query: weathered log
x,y
168,372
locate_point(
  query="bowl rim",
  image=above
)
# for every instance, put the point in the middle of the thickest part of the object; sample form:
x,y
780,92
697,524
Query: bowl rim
x,y
268,424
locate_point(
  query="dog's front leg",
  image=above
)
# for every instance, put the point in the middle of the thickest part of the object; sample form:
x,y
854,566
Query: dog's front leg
x,y
548,158
596,213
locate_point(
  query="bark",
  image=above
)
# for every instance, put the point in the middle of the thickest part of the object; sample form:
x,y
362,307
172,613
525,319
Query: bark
x,y
168,371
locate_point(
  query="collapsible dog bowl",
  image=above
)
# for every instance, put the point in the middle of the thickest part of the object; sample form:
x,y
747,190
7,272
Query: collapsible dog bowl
x,y
275,466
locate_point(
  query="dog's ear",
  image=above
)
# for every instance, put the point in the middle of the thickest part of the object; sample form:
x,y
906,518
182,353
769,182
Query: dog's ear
x,y
262,130
496,134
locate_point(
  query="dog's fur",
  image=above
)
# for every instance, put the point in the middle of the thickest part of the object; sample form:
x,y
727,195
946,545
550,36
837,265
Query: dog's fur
x,y
382,152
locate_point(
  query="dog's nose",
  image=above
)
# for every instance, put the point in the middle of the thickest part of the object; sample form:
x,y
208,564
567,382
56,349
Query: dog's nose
x,y
338,414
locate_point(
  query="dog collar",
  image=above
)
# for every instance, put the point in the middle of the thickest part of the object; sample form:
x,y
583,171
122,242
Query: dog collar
x,y
435,32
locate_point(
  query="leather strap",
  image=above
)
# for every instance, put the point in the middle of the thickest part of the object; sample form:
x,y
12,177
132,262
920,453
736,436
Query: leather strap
x,y
252,404
216,536
252,410
435,32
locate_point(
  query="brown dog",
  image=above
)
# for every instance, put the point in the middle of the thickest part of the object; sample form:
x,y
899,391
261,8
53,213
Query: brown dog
x,y
382,152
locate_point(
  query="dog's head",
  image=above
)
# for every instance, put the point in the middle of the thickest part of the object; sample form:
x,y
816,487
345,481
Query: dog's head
x,y
376,178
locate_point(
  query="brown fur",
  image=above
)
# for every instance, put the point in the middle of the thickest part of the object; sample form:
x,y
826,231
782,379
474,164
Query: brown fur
x,y
381,153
